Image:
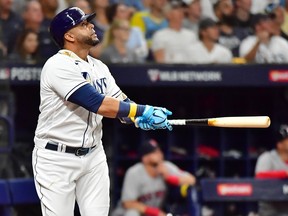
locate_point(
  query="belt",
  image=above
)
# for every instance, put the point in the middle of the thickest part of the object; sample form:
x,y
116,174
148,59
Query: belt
x,y
78,151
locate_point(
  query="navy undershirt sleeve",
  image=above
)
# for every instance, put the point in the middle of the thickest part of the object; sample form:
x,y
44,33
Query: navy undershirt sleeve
x,y
87,97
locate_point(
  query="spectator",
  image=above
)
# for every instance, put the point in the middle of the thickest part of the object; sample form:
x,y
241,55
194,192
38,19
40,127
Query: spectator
x,y
273,164
144,186
138,5
258,6
277,14
83,5
230,35
115,49
285,24
264,46
10,26
32,15
100,22
243,15
169,45
208,51
27,47
136,39
207,8
151,21
193,15
47,47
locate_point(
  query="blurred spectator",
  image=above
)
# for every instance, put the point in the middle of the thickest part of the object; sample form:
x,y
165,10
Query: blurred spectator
x,y
243,15
32,15
193,15
136,39
169,45
230,35
207,8
277,13
100,22
47,47
27,47
285,24
208,51
273,164
264,46
10,26
115,49
83,5
62,4
151,21
146,183
258,6
138,5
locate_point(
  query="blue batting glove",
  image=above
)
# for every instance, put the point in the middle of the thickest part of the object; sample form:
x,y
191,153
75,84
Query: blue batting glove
x,y
159,118
144,124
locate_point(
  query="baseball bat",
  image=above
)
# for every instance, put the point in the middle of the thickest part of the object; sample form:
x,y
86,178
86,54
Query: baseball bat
x,y
229,122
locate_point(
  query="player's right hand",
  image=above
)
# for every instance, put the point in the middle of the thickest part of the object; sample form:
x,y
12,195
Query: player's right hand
x,y
143,123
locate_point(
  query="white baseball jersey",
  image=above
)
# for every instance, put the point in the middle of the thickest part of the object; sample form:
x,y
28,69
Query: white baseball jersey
x,y
62,121
276,51
199,54
174,43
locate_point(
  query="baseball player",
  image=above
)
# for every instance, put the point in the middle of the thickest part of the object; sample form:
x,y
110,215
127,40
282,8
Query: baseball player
x,y
76,91
144,187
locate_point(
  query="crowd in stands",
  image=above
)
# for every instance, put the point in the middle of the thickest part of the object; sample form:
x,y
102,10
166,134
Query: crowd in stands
x,y
162,31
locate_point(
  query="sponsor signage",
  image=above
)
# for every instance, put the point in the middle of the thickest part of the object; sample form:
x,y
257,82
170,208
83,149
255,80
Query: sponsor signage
x,y
234,189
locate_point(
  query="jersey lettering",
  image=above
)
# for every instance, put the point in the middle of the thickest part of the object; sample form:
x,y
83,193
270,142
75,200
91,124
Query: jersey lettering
x,y
100,84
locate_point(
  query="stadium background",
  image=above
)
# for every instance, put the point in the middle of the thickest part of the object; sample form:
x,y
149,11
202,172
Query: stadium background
x,y
223,90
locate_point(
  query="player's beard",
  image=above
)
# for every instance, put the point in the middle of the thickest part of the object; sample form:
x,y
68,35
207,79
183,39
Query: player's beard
x,y
91,42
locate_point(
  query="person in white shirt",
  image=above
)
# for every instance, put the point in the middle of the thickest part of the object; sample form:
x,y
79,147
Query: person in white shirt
x,y
169,45
193,14
264,46
208,51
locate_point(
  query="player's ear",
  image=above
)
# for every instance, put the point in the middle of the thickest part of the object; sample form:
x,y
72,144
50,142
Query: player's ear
x,y
69,37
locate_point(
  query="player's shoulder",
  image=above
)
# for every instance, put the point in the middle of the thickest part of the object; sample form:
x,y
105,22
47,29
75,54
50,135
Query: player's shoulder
x,y
267,155
96,62
135,169
60,60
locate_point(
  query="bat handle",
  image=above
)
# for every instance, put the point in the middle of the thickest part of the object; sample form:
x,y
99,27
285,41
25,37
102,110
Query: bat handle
x,y
177,122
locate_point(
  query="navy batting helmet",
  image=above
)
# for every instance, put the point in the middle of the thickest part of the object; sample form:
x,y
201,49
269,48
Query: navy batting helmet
x,y
66,20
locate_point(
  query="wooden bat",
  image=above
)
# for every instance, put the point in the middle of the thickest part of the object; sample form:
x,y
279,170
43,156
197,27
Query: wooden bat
x,y
229,122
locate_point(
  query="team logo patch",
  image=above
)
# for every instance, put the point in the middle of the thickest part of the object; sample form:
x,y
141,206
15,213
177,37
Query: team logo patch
x,y
86,77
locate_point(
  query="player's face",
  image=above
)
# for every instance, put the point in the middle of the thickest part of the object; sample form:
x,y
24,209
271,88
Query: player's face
x,y
154,159
84,34
284,145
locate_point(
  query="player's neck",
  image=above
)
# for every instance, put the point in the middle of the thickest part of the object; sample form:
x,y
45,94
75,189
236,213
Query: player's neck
x,y
81,53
